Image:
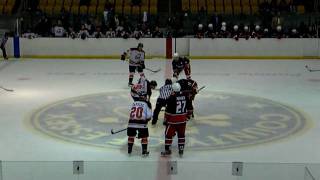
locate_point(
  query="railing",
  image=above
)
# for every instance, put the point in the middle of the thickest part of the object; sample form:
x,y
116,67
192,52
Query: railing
x,y
145,169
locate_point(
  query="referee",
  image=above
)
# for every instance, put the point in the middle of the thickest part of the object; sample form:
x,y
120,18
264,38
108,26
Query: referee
x,y
165,92
3,45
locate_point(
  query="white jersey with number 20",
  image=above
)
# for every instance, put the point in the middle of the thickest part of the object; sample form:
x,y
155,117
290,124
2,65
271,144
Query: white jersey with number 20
x,y
139,114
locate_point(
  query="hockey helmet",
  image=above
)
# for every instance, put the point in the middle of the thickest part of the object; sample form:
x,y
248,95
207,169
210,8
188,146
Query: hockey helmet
x,y
140,45
176,87
168,81
175,55
153,83
174,80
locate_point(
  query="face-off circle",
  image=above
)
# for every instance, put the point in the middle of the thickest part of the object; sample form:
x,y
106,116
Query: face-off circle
x,y
222,121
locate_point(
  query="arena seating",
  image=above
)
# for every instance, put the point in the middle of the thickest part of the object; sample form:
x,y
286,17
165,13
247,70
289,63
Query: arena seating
x,y
6,6
235,7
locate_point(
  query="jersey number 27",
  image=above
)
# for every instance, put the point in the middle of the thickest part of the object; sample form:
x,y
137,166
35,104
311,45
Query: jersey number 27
x,y
181,107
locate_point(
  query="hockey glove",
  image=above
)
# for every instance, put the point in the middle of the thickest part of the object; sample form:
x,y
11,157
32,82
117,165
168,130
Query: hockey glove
x,y
142,65
123,56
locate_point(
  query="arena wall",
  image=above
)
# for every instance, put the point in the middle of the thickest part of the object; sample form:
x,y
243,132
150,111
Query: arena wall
x,y
156,48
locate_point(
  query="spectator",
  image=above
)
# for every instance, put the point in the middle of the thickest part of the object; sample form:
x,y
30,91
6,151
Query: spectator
x,y
71,33
200,31
235,32
210,33
157,33
58,30
257,33
277,21
98,33
294,33
137,33
110,33
83,33
148,33
29,34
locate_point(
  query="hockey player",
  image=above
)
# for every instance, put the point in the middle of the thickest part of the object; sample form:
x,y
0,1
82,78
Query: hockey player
x,y
179,64
177,111
136,61
140,115
144,86
190,87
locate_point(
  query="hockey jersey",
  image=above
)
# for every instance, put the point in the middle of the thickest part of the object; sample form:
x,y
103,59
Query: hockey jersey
x,y
180,63
136,57
140,114
177,107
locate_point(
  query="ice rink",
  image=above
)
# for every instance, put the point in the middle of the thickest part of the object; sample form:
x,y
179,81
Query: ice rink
x,y
250,111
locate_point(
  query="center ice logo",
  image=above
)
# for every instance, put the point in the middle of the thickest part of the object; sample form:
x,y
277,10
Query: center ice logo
x,y
222,121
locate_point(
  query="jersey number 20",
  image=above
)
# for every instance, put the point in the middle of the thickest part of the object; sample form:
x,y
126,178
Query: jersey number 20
x,y
136,113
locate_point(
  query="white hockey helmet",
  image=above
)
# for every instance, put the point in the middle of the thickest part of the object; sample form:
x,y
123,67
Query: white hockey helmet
x,y
235,27
279,28
294,31
223,23
174,80
175,55
257,27
246,28
176,87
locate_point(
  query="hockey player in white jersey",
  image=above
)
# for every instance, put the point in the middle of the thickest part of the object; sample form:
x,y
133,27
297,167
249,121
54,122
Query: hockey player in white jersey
x,y
136,61
140,115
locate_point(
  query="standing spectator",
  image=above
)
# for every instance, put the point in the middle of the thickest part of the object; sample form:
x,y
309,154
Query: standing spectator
x,y
277,20
58,30
3,45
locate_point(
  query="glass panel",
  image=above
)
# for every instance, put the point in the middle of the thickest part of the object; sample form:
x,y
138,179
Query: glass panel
x,y
145,169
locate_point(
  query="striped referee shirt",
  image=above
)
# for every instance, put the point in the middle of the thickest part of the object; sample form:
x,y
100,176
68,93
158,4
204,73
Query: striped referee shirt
x,y
165,91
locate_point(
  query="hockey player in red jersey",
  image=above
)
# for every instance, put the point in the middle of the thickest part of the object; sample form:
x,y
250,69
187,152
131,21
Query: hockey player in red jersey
x,y
178,107
190,87
179,64
140,115
136,61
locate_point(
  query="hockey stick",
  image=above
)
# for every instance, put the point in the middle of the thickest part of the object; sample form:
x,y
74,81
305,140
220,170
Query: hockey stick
x,y
9,90
154,71
117,131
201,88
123,58
311,70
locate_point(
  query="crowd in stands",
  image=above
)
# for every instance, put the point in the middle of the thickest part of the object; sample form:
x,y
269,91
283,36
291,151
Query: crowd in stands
x,y
112,25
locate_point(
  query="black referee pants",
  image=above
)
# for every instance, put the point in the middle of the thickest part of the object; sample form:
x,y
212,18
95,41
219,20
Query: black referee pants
x,y
159,105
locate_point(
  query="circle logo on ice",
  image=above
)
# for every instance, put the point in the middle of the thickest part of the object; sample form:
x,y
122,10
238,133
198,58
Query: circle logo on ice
x,y
222,121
